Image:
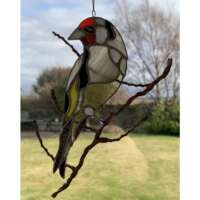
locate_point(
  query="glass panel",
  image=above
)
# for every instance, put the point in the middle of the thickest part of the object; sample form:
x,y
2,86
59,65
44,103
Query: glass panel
x,y
118,43
101,35
103,91
74,71
100,66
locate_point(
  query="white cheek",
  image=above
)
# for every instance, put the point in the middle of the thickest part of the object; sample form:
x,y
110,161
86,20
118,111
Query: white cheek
x,y
101,35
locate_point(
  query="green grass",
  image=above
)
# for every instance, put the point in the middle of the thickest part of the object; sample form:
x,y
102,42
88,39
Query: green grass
x,y
139,167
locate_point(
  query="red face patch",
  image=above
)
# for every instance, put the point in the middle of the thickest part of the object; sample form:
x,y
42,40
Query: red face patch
x,y
89,39
86,22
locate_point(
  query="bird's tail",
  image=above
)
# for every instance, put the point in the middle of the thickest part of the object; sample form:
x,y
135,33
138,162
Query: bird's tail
x,y
65,144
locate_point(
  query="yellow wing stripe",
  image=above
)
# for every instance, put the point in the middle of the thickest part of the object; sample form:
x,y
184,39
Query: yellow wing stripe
x,y
73,95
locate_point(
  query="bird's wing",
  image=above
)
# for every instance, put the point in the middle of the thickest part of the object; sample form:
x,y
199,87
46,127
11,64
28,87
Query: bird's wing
x,y
72,91
74,71
71,99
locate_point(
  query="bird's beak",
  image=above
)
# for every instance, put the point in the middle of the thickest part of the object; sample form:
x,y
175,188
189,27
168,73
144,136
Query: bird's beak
x,y
77,34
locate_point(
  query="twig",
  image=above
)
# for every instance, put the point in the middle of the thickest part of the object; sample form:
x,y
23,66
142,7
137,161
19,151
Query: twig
x,y
45,148
70,166
90,128
95,141
67,43
41,142
106,140
55,101
141,93
133,84
77,168
141,85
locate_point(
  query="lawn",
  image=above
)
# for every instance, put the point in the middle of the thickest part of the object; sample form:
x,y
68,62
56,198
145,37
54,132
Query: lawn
x,y
139,167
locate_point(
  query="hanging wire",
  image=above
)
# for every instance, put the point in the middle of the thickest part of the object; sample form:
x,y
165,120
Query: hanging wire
x,y
93,8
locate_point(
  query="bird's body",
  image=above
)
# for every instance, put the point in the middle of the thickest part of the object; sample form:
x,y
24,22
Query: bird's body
x,y
104,60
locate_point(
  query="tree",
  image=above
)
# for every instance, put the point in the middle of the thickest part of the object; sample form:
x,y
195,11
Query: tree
x,y
152,36
55,77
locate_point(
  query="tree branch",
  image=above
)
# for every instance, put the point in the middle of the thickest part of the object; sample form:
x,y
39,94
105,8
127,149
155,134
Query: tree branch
x,y
141,93
169,64
55,101
41,142
133,84
97,139
67,43
45,148
106,140
70,166
76,169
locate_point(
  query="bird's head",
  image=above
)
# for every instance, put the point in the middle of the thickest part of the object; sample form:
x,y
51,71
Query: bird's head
x,y
93,30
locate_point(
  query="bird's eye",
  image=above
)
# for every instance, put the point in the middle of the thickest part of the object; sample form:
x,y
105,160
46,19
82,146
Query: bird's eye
x,y
89,29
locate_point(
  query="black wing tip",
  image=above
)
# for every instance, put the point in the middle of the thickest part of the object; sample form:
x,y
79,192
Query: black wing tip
x,y
62,175
55,168
56,165
62,170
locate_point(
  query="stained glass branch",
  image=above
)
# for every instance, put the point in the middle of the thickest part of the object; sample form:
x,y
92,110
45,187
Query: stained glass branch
x,y
97,137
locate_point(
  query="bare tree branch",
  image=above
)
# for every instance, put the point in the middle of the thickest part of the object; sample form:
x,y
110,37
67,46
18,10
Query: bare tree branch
x,y
70,166
76,169
142,93
97,139
106,140
133,84
45,148
41,142
152,36
55,101
66,42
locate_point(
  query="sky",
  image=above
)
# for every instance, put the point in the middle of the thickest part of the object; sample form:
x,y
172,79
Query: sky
x,y
40,49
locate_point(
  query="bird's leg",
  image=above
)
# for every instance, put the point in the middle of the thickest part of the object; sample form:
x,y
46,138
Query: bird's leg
x,y
92,120
89,111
